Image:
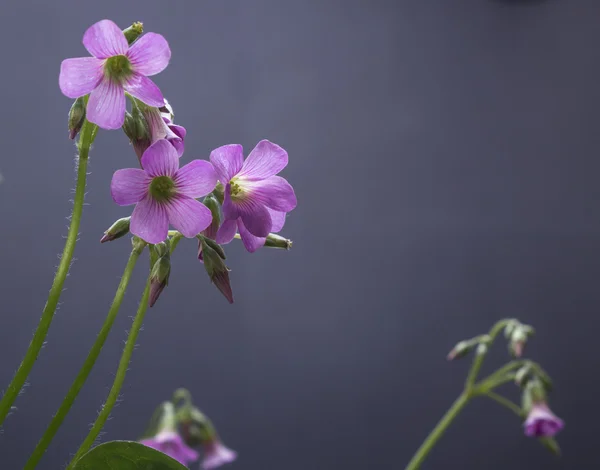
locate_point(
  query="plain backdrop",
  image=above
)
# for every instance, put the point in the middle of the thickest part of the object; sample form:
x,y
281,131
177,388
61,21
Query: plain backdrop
x,y
445,155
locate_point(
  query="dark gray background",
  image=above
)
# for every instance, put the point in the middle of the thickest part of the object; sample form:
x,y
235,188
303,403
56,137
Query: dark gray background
x,y
445,155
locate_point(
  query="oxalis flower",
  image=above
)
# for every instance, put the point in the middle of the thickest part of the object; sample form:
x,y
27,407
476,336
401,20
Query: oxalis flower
x,y
116,68
541,422
171,443
164,193
256,201
216,454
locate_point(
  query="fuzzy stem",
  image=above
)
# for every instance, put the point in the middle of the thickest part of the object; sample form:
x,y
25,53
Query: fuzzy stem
x,y
437,432
85,370
88,133
505,402
119,378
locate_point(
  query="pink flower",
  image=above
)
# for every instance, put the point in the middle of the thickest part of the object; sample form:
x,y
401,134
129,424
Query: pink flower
x,y
541,422
171,443
256,201
114,69
216,454
164,193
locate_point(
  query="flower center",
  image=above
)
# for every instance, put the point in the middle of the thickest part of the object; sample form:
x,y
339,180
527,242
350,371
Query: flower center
x,y
162,188
237,193
117,67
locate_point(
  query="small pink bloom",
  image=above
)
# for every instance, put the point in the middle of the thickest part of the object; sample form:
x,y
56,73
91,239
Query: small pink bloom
x,y
171,443
256,200
114,69
164,193
541,422
216,454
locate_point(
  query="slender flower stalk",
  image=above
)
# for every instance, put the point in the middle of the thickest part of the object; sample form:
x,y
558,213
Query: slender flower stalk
x,y
85,370
88,133
119,378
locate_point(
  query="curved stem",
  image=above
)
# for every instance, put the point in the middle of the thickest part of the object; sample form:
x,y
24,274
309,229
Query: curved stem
x,y
119,378
85,370
505,402
499,377
12,391
437,432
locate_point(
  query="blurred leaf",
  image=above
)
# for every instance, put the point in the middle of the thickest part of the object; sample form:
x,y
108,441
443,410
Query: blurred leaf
x,y
126,455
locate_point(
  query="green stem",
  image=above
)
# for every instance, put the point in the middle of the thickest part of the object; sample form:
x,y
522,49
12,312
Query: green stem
x,y
85,370
499,377
437,432
15,386
505,402
119,378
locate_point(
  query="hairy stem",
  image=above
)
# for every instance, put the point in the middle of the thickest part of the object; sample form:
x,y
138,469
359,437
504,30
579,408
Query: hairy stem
x,y
88,133
85,370
119,378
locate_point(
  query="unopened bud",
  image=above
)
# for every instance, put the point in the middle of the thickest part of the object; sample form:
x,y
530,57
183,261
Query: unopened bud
x,y
461,349
216,269
522,375
533,393
518,339
133,32
76,117
136,129
276,241
117,230
161,270
213,205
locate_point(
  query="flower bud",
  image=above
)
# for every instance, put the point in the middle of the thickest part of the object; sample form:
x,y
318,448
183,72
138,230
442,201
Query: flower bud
x,y
518,338
117,230
276,241
213,205
133,32
461,349
136,129
76,117
540,422
522,375
216,269
161,270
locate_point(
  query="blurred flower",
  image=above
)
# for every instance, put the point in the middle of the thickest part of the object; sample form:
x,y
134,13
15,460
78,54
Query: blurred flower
x,y
256,200
216,454
541,422
171,443
164,193
114,69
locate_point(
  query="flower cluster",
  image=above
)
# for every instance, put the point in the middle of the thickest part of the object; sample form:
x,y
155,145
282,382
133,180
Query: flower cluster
x,y
179,427
243,197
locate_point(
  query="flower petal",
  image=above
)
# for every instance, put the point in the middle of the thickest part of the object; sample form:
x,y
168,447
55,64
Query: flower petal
x,y
150,54
144,90
196,179
160,159
149,221
257,219
188,216
106,106
251,243
177,141
274,192
105,39
266,159
230,210
278,220
79,76
226,232
129,186
228,161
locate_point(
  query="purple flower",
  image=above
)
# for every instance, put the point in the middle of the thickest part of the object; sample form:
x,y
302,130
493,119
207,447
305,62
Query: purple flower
x,y
164,193
541,422
161,127
216,454
114,69
256,201
171,443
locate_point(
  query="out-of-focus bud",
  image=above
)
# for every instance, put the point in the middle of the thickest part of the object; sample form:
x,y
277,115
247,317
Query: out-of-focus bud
x,y
463,348
540,422
136,129
161,270
522,375
76,117
117,230
518,338
276,241
133,32
213,205
216,269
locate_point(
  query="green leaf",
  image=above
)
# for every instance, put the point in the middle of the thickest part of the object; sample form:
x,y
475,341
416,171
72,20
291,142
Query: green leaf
x,y
126,455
